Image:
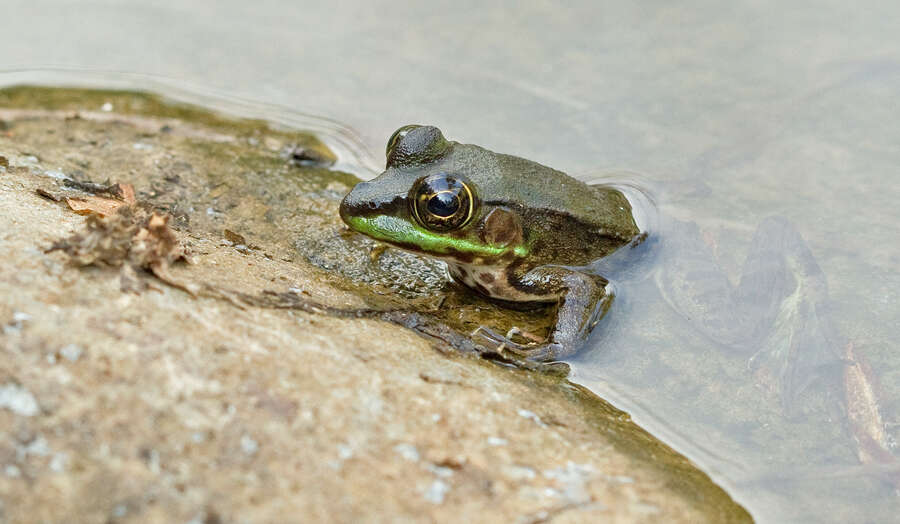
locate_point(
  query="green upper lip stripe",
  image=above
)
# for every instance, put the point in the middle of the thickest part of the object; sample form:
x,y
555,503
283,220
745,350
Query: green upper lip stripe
x,y
392,229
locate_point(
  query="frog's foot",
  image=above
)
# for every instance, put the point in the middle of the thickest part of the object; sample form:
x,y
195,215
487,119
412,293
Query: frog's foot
x,y
539,350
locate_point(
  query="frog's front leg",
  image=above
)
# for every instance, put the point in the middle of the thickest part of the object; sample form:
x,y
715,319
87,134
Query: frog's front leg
x,y
583,300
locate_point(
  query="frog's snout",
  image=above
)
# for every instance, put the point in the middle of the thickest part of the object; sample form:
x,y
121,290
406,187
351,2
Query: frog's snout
x,y
361,200
351,202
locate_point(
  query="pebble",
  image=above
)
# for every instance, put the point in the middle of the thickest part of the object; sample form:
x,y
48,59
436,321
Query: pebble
x,y
18,400
407,451
71,352
436,492
248,445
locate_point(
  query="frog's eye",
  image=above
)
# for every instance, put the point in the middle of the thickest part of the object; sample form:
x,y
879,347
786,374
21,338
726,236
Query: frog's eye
x,y
442,202
414,144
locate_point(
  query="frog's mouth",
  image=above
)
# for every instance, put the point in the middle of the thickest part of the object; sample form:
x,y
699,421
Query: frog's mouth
x,y
412,237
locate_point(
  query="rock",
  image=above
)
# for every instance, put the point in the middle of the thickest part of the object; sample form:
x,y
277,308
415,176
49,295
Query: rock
x,y
220,406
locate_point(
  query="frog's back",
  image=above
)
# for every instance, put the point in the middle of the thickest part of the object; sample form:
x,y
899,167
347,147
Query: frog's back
x,y
575,223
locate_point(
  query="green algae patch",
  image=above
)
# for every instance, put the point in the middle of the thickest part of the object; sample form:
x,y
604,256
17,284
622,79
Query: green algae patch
x,y
146,104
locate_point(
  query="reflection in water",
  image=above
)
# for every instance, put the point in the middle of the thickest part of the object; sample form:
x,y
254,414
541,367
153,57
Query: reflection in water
x,y
751,379
774,312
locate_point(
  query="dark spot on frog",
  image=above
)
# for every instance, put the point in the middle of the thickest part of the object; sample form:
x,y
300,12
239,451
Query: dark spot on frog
x,y
487,278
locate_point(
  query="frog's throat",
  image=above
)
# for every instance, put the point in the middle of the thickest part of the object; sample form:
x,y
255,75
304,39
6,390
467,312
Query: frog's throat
x,y
410,236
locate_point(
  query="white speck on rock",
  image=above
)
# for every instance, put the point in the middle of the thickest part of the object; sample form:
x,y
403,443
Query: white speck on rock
x,y
344,451
436,492
107,107
18,400
407,451
59,462
440,471
141,146
524,413
572,481
71,352
57,174
519,472
18,319
620,479
153,461
38,447
248,445
13,471
497,441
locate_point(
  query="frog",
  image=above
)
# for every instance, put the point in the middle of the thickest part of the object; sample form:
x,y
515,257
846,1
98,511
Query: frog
x,y
512,230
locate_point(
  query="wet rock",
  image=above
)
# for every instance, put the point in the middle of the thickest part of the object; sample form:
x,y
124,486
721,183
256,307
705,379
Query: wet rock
x,y
169,402
304,155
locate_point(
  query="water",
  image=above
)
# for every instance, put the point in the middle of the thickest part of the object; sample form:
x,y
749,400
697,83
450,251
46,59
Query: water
x,y
731,114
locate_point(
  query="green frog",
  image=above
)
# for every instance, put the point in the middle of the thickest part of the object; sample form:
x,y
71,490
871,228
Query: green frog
x,y
510,229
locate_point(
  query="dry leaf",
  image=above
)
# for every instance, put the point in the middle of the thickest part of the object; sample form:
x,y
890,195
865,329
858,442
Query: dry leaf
x,y
124,192
234,238
103,206
94,204
129,238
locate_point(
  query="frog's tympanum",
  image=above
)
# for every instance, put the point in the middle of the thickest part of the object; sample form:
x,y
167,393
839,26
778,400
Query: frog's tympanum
x,y
510,229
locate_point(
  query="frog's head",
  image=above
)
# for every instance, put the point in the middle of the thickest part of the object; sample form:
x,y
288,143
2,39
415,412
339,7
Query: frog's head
x,y
428,201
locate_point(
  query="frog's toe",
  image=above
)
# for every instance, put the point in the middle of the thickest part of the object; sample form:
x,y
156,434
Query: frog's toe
x,y
502,342
535,352
541,353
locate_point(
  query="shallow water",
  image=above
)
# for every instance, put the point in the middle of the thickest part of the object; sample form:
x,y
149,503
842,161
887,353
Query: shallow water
x,y
731,115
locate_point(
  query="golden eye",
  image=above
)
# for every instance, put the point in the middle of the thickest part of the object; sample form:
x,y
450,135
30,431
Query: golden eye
x,y
442,202
397,137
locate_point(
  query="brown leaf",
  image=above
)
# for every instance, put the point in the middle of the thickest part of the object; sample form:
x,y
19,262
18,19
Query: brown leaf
x,y
234,238
124,192
94,204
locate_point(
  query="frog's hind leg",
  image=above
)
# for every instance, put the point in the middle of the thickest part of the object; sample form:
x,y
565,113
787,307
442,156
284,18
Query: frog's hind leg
x,y
583,300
